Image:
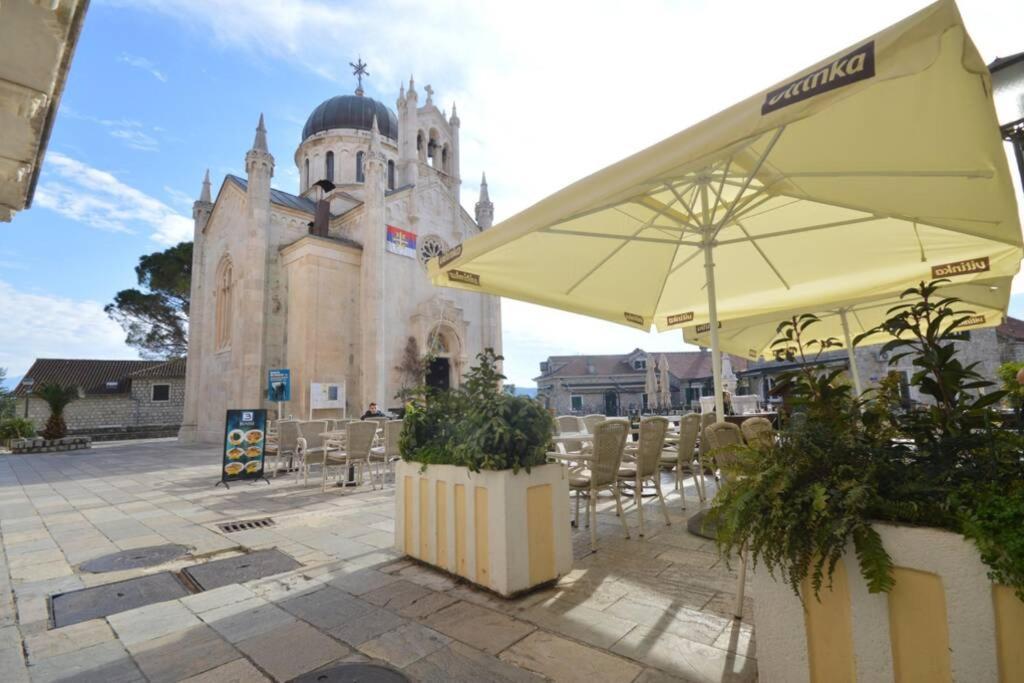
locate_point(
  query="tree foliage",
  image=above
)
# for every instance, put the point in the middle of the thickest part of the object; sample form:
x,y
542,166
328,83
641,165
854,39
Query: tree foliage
x,y
155,315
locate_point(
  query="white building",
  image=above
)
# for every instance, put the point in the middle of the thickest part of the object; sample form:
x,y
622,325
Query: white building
x,y
332,283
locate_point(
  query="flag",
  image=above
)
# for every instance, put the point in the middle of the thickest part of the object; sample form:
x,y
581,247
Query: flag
x,y
401,242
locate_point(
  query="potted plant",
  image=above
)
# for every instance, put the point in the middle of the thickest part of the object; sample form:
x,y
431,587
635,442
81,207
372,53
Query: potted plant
x,y
887,543
57,398
474,495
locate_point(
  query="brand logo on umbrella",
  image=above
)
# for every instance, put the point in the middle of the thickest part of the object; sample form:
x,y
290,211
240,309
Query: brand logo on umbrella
x,y
464,277
974,320
975,265
752,353
680,318
634,318
850,68
450,255
705,327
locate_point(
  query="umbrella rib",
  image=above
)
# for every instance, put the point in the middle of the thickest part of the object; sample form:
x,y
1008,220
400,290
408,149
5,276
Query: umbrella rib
x,y
746,183
920,244
987,174
753,243
795,231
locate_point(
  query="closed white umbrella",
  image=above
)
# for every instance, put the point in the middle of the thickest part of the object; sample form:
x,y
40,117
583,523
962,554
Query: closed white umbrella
x,y
664,388
651,383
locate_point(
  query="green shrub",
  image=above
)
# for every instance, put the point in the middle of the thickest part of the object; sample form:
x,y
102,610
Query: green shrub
x,y
950,464
16,428
476,426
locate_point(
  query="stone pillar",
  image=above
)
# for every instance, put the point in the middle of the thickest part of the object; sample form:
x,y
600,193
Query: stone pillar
x,y
408,127
198,293
374,336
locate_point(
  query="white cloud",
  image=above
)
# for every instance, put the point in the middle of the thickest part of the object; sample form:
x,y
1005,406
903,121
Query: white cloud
x,y
549,92
144,64
136,139
128,131
43,326
98,199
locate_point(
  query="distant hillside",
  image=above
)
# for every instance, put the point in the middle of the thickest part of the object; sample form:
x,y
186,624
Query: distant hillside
x,y
526,391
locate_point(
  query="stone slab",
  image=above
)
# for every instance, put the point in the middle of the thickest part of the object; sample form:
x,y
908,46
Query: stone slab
x,y
134,559
111,598
482,628
292,650
240,569
564,660
353,672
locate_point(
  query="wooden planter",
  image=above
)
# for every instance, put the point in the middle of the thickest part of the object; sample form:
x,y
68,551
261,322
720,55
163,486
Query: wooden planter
x,y
505,532
943,621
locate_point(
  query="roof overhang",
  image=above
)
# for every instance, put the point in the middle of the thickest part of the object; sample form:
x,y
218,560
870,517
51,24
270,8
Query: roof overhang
x,y
37,43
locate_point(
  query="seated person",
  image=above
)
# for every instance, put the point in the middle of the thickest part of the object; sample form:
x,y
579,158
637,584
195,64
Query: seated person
x,y
372,411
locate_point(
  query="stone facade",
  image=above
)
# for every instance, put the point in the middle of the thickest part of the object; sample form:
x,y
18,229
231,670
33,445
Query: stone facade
x,y
133,411
315,284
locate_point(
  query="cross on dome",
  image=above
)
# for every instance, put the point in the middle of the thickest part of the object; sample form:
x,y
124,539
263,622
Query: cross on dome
x,y
359,70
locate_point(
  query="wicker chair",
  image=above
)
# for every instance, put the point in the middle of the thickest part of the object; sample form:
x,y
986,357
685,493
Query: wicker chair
x,y
683,458
570,424
386,454
313,451
609,440
758,431
591,421
645,465
722,439
287,441
357,449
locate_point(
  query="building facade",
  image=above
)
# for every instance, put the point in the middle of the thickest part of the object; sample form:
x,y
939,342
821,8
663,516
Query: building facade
x,y
331,283
115,397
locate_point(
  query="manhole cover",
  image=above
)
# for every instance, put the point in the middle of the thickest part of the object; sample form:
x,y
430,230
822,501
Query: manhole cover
x,y
133,559
240,569
111,598
699,525
353,673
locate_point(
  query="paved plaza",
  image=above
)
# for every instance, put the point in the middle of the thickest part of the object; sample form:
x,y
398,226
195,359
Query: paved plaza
x,y
650,609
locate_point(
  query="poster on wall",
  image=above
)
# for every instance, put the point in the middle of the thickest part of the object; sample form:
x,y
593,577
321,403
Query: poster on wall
x,y
326,395
245,433
279,385
401,242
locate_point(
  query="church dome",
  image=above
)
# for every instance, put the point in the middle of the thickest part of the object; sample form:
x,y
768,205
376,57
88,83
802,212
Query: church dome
x,y
351,111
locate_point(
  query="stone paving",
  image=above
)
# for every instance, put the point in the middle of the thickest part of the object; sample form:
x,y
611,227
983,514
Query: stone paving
x,y
647,609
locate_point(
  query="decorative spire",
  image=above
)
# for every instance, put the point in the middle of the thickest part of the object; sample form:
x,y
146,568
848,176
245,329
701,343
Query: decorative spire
x,y
375,139
484,195
454,120
260,143
204,196
359,70
412,87
484,207
401,91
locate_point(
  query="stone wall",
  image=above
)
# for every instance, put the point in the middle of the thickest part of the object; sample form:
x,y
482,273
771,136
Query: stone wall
x,y
124,411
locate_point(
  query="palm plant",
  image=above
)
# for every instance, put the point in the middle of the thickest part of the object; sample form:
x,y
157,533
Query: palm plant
x,y
57,397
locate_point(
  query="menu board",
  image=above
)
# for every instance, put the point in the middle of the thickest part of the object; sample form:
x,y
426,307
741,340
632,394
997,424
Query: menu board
x,y
245,434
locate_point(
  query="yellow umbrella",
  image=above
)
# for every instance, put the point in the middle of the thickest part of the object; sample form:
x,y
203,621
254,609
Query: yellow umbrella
x,y
876,168
753,337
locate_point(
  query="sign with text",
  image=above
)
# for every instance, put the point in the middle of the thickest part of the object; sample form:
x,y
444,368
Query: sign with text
x,y
324,395
279,385
245,433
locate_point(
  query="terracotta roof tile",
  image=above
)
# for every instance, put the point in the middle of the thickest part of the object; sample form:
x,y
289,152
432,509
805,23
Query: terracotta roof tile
x,y
93,376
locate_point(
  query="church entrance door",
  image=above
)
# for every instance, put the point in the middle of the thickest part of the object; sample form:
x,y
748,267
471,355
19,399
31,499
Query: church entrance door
x,y
611,404
439,374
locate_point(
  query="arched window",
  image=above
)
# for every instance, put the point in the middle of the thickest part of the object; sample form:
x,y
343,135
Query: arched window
x,y
421,148
306,179
329,167
444,159
391,174
360,177
222,310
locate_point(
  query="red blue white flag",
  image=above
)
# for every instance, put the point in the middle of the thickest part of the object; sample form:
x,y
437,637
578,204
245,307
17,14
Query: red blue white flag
x,y
401,242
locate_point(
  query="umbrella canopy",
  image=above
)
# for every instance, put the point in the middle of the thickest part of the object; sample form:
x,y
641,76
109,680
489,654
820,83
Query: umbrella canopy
x,y
664,387
651,384
876,168
753,336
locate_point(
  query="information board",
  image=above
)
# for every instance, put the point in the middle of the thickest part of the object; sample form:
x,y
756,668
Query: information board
x,y
245,435
279,385
323,395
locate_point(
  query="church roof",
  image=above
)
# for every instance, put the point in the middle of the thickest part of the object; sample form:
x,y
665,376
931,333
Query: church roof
x,y
280,197
351,111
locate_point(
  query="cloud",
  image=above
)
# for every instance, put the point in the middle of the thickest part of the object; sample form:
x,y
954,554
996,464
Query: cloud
x,y
128,131
144,64
98,199
136,139
44,326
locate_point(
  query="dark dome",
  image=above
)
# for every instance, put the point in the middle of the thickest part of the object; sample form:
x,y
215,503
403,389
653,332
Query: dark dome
x,y
351,111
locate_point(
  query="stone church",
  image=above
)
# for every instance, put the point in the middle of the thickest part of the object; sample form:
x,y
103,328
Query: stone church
x,y
332,283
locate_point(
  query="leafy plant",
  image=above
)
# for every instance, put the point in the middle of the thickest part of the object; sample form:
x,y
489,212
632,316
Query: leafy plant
x,y
57,397
16,428
1014,390
797,503
476,426
7,400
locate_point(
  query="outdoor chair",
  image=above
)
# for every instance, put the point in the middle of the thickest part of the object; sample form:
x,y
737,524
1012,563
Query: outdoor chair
x,y
722,438
645,465
758,431
570,424
591,421
706,420
357,450
287,440
602,474
683,458
745,403
386,454
313,451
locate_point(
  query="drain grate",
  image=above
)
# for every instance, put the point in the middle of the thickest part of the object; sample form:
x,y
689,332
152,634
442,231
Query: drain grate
x,y
245,525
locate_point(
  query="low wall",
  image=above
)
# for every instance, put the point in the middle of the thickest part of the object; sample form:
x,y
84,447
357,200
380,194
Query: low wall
x,y
503,531
41,445
943,621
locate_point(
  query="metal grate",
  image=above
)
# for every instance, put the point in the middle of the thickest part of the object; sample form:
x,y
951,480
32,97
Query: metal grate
x,y
245,525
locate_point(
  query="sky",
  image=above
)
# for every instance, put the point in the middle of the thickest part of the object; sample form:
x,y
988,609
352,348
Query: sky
x,y
548,92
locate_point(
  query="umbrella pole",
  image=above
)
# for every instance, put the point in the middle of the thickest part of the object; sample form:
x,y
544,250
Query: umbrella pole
x,y
716,352
851,354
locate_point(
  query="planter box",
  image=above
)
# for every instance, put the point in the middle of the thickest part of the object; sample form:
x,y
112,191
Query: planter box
x,y
41,445
502,531
943,621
